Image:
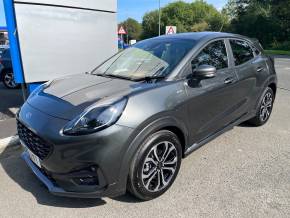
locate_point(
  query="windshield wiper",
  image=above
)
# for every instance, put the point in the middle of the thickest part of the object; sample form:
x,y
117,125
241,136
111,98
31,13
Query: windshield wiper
x,y
114,76
146,78
149,78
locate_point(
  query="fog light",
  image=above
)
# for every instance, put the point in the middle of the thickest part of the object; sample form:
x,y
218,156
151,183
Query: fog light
x,y
90,181
86,176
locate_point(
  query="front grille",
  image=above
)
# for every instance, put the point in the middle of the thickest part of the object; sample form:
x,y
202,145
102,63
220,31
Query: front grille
x,y
35,144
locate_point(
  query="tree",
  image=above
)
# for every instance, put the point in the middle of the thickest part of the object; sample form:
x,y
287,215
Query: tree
x,y
133,28
188,17
199,27
266,20
280,11
150,24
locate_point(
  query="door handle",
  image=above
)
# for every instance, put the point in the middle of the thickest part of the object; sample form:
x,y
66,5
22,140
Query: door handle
x,y
229,80
259,69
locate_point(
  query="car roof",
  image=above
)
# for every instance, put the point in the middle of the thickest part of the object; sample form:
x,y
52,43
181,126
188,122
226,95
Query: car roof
x,y
198,36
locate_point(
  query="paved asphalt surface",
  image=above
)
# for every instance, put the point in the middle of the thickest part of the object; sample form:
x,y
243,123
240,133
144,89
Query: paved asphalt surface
x,y
243,173
10,100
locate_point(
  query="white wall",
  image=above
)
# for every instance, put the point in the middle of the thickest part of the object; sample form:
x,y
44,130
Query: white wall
x,y
107,5
59,41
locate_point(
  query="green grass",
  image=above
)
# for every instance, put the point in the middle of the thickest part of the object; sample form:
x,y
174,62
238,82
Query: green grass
x,y
277,52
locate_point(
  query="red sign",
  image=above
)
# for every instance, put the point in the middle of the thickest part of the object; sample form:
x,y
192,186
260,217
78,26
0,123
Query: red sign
x,y
122,31
171,30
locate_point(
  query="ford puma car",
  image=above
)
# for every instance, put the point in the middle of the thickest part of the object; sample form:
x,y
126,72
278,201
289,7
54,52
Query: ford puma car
x,y
127,124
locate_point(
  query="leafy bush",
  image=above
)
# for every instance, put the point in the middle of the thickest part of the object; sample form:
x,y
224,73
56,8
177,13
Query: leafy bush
x,y
280,45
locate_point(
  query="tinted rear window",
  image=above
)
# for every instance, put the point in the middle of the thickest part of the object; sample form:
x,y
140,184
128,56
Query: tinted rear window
x,y
242,51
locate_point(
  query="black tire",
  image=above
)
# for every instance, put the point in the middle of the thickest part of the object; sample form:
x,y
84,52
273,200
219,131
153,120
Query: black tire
x,y
9,83
264,109
139,166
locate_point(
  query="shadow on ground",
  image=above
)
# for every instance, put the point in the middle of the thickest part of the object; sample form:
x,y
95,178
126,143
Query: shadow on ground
x,y
17,170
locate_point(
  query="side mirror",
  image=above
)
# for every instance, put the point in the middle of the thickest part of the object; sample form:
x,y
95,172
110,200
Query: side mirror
x,y
204,72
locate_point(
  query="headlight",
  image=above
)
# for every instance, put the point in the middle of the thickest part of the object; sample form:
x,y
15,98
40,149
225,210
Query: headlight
x,y
96,118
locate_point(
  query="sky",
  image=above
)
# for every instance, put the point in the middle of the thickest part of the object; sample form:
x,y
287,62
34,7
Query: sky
x,y
132,8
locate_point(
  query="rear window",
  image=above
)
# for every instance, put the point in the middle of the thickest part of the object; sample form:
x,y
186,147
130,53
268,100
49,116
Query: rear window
x,y
242,51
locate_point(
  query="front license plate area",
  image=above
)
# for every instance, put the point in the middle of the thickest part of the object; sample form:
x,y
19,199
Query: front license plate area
x,y
34,158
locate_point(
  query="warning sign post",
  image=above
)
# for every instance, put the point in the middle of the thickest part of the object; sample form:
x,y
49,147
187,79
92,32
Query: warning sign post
x,y
122,31
171,30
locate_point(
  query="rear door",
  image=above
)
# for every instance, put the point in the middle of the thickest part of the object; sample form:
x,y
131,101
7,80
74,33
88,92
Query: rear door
x,y
247,64
212,103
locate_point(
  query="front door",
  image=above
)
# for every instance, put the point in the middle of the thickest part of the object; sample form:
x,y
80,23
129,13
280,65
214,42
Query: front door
x,y
212,103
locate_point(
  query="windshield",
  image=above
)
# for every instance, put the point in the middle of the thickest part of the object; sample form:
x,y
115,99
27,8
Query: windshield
x,y
147,59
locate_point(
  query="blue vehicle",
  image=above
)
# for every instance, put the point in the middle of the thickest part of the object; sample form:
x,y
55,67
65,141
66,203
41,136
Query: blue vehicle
x,y
6,70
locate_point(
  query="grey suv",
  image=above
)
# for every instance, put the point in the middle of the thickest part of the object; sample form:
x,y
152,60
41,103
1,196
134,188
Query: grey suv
x,y
127,124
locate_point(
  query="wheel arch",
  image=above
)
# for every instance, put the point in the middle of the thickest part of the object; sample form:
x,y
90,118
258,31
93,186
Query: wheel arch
x,y
273,86
271,82
180,135
140,134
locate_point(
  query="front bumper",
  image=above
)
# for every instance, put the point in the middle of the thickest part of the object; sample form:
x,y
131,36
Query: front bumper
x,y
56,190
66,162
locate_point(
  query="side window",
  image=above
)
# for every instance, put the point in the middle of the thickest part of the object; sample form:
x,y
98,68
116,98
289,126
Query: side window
x,y
242,51
215,54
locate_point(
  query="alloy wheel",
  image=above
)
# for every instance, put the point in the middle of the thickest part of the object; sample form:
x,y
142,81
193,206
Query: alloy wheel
x,y
266,107
9,80
159,166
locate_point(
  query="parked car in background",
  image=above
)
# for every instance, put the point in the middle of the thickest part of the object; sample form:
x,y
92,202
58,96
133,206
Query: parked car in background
x,y
129,123
6,70
3,47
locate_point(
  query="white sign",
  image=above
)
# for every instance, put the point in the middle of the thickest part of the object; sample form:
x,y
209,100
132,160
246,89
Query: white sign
x,y
133,41
171,30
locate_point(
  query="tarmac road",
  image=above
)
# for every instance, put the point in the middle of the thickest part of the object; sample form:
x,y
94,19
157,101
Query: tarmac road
x,y
10,101
243,173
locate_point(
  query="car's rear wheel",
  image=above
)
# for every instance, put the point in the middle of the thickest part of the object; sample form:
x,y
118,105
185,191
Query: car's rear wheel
x,y
264,109
8,80
156,165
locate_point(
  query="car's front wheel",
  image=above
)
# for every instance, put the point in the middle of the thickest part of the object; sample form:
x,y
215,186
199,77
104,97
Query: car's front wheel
x,y
155,166
264,109
8,80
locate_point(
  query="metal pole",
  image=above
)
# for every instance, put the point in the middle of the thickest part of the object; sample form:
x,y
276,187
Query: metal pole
x,y
122,37
127,33
24,91
159,18
14,45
